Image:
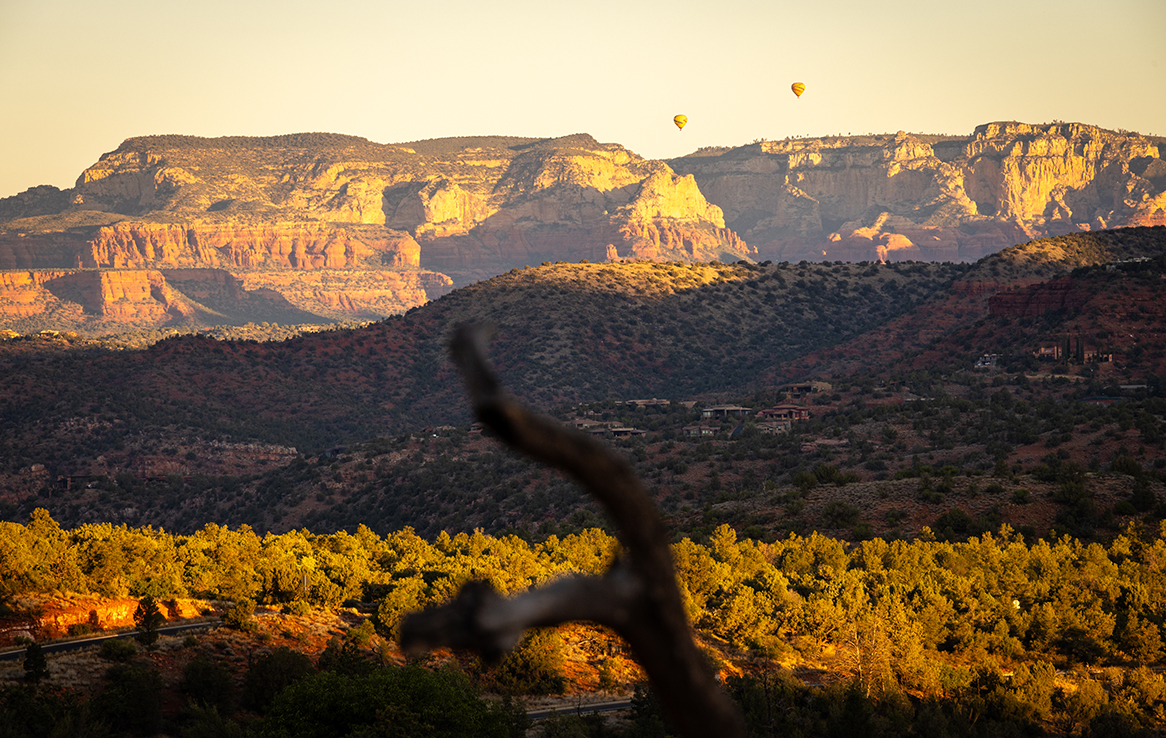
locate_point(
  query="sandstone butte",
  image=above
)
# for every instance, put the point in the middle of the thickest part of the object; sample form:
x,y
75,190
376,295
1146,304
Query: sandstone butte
x,y
324,226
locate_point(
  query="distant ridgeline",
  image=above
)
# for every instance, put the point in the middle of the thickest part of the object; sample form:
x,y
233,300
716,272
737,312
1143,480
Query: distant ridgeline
x,y
331,227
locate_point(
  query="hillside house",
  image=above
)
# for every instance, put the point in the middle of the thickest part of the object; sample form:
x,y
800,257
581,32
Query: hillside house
x,y
785,411
603,430
648,403
724,411
699,431
627,432
1078,354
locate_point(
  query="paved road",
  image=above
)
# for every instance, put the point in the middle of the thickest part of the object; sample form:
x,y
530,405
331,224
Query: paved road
x,y
78,644
546,712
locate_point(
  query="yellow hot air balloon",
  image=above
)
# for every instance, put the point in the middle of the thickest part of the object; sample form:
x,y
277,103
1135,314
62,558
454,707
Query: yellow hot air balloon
x,y
680,120
798,88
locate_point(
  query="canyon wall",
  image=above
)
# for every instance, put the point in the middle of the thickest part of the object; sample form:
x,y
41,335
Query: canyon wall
x,y
932,198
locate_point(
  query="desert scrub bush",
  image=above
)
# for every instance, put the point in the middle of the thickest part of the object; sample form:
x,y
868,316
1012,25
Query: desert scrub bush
x,y
118,649
208,683
534,667
242,616
273,673
298,608
828,474
839,514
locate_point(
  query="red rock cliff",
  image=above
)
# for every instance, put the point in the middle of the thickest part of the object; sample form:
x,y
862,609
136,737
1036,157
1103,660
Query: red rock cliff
x,y
935,198
291,246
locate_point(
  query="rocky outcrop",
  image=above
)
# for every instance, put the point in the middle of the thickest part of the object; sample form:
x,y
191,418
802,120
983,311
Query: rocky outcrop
x,y
274,246
670,219
349,294
134,297
934,198
44,617
21,250
434,209
23,293
570,199
1034,300
104,300
664,217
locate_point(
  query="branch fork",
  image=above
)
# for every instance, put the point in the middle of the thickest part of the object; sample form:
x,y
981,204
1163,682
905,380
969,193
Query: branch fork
x,y
637,597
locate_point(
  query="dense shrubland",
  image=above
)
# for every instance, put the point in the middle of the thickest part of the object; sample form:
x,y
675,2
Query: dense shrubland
x,y
927,632
992,597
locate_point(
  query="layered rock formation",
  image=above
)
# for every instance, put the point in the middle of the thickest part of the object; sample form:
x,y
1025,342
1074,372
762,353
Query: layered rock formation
x,y
934,198
273,246
344,228
44,616
104,300
341,227
470,208
23,293
138,298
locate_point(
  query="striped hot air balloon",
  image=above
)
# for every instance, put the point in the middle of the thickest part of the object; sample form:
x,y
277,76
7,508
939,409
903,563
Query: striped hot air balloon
x,y
798,88
680,120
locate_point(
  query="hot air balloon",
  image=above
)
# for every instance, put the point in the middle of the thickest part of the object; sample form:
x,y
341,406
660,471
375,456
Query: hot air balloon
x,y
798,88
680,120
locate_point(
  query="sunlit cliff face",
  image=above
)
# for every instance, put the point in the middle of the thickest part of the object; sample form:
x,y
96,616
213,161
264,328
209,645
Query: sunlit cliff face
x,y
943,198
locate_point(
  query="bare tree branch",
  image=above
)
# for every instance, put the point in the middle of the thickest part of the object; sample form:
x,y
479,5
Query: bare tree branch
x,y
638,597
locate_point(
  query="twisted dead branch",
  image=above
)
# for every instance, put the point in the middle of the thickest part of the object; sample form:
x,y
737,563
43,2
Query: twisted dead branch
x,y
637,597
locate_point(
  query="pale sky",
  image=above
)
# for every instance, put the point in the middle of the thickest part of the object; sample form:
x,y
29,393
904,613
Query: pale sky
x,y
77,77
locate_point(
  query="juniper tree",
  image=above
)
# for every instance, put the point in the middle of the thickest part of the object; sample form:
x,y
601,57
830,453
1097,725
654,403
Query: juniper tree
x,y
148,618
36,667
